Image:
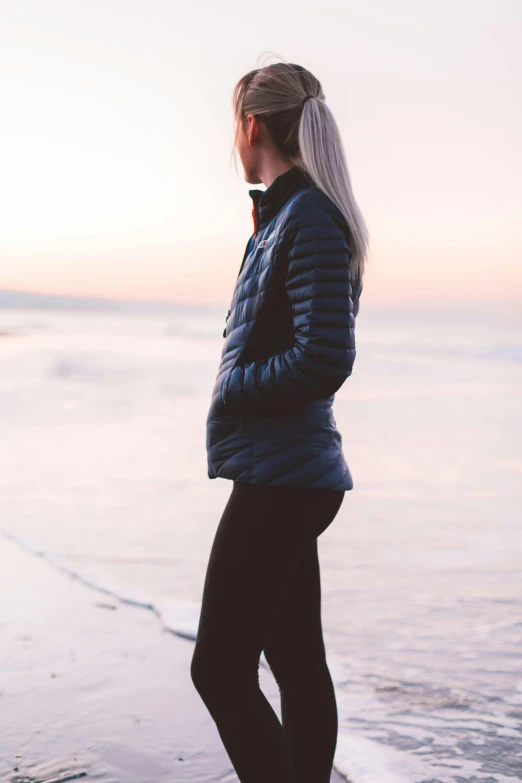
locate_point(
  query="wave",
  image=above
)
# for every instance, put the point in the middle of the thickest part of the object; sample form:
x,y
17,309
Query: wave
x,y
179,617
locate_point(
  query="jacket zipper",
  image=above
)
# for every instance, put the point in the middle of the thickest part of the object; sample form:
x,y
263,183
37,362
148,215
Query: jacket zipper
x,y
254,216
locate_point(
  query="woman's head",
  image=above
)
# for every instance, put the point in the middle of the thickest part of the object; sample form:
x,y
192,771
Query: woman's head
x,y
274,117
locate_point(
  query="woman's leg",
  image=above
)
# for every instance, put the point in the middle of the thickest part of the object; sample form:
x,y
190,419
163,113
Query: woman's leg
x,y
296,654
262,533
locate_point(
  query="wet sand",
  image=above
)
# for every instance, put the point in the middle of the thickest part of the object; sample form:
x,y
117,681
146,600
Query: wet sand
x,y
93,689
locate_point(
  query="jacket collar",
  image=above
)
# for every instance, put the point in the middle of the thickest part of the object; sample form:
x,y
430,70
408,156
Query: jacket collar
x,y
267,203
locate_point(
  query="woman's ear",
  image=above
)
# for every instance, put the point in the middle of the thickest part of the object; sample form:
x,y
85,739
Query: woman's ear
x,y
252,129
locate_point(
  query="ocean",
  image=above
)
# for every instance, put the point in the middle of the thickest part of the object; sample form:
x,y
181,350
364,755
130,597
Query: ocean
x,y
104,474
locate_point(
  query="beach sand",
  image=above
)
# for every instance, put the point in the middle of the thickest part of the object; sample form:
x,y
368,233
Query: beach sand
x,y
95,689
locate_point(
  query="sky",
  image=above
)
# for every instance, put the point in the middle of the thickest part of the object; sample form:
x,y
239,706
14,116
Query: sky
x,y
116,133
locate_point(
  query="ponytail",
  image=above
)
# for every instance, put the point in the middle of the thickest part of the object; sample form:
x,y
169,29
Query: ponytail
x,y
324,159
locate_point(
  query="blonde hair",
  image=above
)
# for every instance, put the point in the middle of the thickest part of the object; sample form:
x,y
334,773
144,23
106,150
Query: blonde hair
x,y
305,132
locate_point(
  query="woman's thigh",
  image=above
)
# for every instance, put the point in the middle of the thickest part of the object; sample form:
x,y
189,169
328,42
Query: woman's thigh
x,y
294,643
263,531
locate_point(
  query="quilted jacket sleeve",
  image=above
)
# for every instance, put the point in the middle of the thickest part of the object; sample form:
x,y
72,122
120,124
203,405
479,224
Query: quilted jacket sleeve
x,y
320,294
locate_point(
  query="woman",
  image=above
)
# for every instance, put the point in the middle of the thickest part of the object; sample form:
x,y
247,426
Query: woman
x,y
289,346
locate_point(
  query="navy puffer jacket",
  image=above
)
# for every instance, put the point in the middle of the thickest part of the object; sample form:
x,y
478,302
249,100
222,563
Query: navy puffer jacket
x,y
289,344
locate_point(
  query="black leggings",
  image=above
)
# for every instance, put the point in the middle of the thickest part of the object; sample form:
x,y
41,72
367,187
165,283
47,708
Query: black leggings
x,y
262,592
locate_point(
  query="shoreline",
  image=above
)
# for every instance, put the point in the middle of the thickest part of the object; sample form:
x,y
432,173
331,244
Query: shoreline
x,y
96,689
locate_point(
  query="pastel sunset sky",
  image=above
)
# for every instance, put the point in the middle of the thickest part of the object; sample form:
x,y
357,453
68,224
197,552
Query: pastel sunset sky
x,y
117,129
